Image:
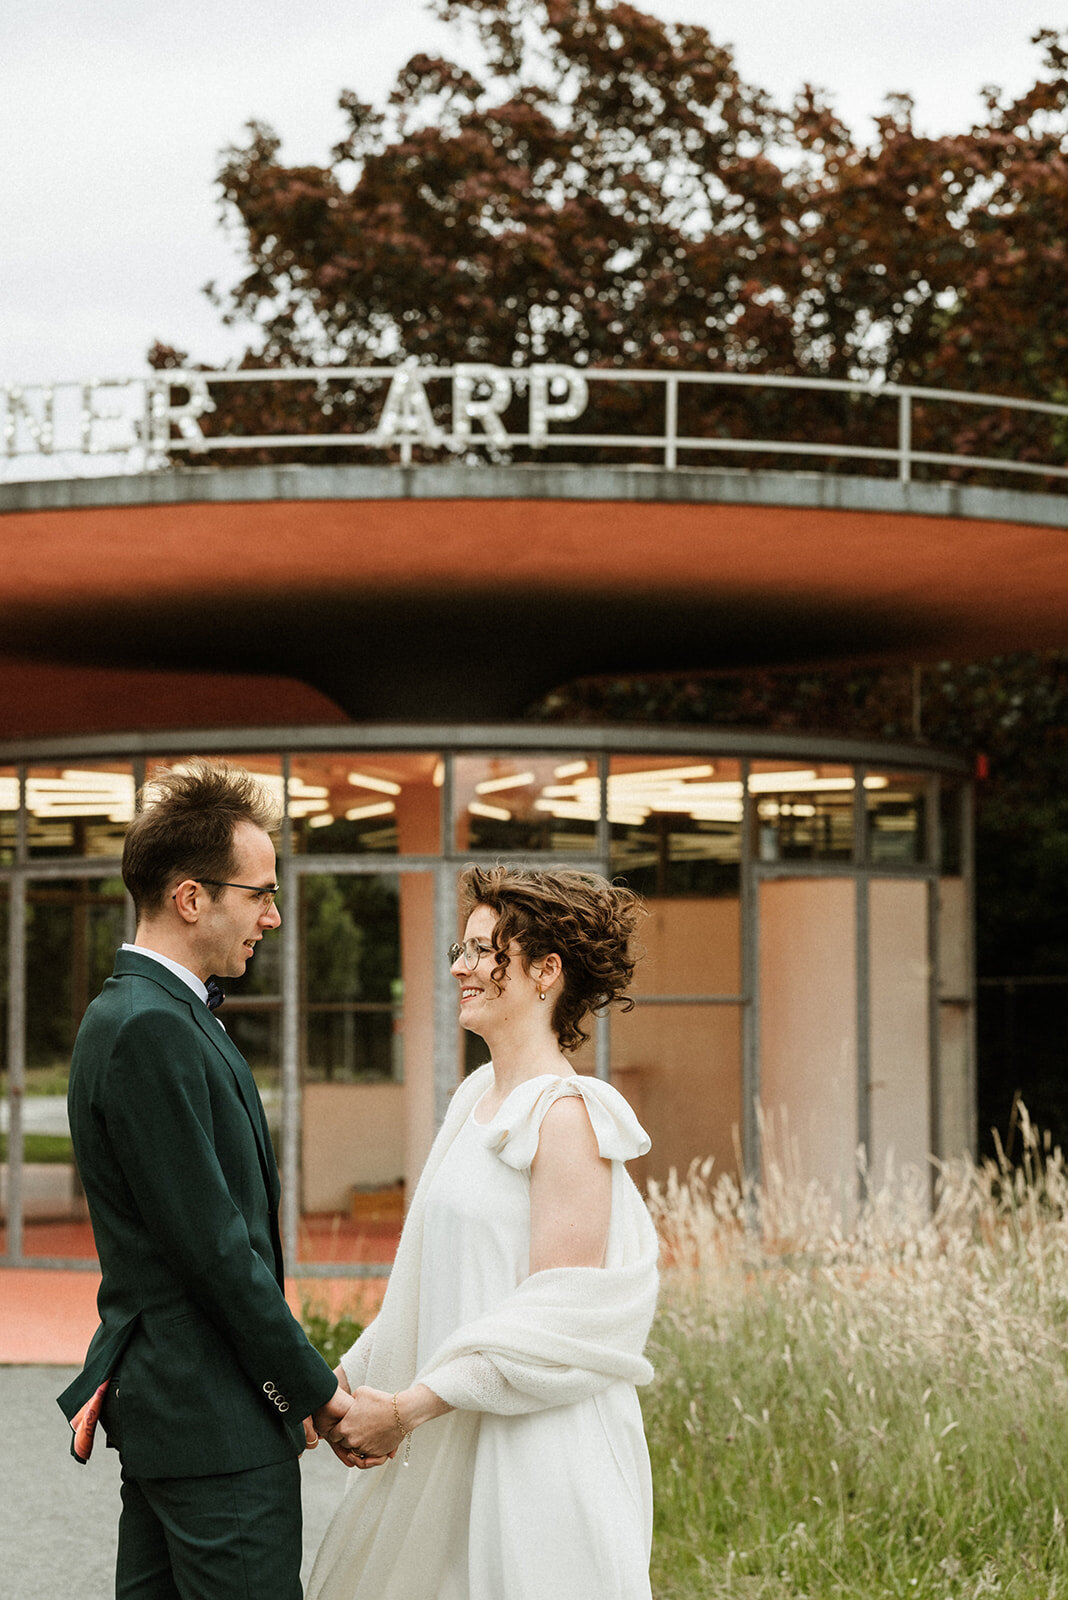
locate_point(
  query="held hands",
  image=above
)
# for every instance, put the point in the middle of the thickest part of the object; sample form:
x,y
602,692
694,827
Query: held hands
x,y
328,1423
377,1423
369,1433
366,1429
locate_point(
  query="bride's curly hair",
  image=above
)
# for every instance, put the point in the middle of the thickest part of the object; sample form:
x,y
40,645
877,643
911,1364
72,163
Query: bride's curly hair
x,y
589,922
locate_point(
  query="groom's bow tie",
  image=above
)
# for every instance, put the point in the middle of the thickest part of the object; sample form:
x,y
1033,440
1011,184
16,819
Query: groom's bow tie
x,y
215,995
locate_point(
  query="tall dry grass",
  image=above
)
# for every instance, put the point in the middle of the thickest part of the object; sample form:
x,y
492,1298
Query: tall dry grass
x,y
867,1406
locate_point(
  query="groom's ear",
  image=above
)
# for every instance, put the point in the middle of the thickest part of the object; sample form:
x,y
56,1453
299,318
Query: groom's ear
x,y
187,899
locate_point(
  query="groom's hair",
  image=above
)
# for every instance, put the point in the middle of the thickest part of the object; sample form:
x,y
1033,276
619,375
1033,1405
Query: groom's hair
x,y
184,828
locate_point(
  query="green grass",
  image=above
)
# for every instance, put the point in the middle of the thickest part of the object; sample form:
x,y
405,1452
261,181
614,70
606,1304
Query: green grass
x,y
881,1413
792,1458
50,1079
54,1148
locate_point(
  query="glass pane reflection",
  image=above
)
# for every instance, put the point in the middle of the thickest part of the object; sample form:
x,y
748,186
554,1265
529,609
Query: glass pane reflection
x,y
9,806
366,802
527,803
73,928
351,993
79,810
951,826
897,815
802,813
676,824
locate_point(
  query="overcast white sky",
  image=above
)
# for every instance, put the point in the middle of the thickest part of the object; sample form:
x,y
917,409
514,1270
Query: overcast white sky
x,y
112,114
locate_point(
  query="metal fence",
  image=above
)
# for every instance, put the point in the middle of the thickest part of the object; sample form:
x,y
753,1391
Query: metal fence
x,y
476,411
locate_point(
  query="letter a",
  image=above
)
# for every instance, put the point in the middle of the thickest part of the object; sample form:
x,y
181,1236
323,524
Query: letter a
x,y
406,416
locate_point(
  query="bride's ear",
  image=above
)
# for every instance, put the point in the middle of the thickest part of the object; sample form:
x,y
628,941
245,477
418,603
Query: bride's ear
x,y
548,970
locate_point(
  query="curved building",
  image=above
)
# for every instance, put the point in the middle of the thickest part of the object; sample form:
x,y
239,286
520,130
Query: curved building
x,y
365,638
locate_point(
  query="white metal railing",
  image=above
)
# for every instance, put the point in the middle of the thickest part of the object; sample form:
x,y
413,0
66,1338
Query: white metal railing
x,y
77,429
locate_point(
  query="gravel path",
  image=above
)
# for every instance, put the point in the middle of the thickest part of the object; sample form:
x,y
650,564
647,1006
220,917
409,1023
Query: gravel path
x,y
58,1520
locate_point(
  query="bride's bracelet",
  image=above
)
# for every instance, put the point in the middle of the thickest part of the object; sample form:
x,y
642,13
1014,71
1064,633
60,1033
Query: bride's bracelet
x,y
405,1433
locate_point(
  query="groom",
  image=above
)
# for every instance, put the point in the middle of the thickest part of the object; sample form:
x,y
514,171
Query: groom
x,y
200,1375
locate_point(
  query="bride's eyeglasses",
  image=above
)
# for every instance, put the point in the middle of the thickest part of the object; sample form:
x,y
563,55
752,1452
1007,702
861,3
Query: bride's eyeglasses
x,y
471,951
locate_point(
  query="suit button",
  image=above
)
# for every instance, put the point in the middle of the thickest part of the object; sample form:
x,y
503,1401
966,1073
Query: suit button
x,y
284,1406
270,1389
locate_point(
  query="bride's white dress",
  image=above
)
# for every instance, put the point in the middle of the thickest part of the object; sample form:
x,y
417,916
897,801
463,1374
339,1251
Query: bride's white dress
x,y
538,1487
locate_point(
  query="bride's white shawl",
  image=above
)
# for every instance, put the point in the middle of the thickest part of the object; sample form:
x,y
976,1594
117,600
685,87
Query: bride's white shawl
x,y
565,1334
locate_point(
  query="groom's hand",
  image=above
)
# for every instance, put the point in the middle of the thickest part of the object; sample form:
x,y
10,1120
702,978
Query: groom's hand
x,y
337,1424
331,1413
370,1428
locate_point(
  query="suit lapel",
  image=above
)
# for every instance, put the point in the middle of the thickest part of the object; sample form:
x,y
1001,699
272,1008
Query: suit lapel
x,y
246,1086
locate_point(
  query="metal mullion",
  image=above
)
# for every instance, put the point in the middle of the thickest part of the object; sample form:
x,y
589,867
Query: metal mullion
x,y
604,821
74,867
863,1020
446,819
602,1036
900,869
446,1064
752,1154
486,858
130,920
57,1263
808,869
360,866
290,1064
345,1269
934,972
967,846
488,739
862,976
16,1032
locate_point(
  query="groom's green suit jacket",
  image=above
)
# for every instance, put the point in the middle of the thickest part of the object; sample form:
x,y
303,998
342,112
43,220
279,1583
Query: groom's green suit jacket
x,y
213,1373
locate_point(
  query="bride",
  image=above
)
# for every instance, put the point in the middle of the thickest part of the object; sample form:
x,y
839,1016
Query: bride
x,y
500,1373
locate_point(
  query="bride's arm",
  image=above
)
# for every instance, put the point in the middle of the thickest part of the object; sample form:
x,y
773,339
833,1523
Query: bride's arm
x,y
570,1191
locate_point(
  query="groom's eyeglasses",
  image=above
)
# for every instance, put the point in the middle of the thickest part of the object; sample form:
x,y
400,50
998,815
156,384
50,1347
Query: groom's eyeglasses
x,y
471,951
265,894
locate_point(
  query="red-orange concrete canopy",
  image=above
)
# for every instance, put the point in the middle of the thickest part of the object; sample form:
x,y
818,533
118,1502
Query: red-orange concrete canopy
x,y
460,593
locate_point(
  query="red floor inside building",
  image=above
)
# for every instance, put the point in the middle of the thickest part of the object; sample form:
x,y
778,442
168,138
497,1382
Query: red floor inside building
x,y
48,1315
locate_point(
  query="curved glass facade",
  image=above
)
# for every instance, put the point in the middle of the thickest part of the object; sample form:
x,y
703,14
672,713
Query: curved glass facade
x,y
806,985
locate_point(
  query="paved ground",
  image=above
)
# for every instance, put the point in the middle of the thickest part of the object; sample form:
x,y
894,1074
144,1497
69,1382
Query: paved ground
x,y
58,1520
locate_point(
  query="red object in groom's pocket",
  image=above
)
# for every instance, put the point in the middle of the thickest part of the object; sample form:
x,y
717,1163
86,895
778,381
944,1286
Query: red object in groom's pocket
x,y
84,1424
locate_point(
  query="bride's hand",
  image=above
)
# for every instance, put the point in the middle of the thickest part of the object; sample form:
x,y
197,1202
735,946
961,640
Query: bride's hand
x,y
377,1422
369,1428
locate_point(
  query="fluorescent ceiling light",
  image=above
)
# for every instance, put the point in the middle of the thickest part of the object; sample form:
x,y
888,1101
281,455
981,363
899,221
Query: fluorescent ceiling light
x,y
769,782
659,775
361,780
570,769
496,813
305,808
382,808
518,780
